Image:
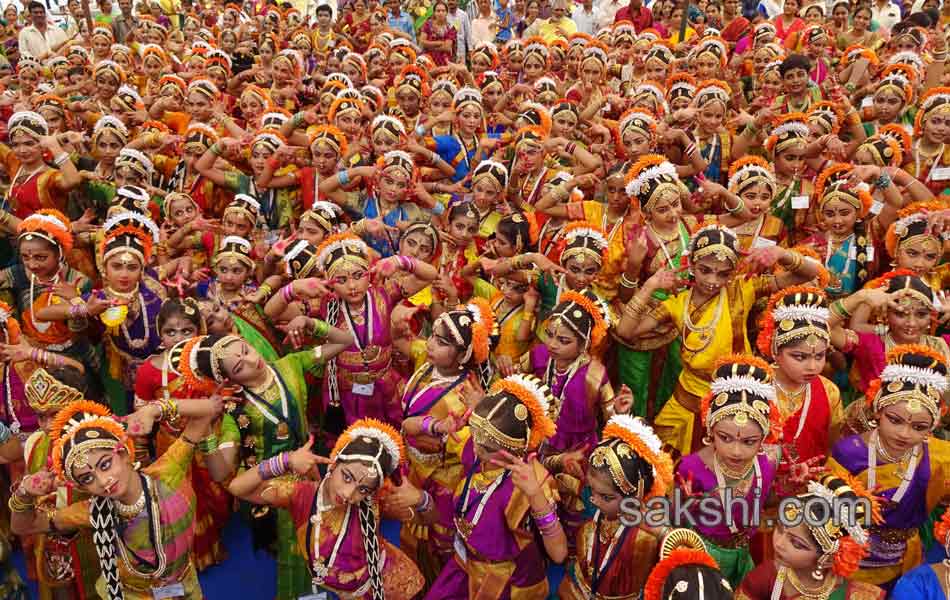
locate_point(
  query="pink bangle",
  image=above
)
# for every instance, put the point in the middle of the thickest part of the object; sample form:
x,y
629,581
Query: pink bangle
x,y
287,293
427,424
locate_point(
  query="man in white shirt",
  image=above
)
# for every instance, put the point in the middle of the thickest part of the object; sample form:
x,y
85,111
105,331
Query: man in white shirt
x,y
584,18
605,12
458,19
40,40
886,13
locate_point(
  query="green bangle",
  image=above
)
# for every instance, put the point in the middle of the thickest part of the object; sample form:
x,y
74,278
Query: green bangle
x,y
320,329
297,119
209,444
215,149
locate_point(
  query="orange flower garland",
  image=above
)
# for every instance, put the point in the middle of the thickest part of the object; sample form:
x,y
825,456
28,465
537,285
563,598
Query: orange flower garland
x,y
599,329
103,420
661,462
542,427
677,558
767,322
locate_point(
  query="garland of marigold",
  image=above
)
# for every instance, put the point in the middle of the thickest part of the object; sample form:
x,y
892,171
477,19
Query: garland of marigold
x,y
542,427
661,462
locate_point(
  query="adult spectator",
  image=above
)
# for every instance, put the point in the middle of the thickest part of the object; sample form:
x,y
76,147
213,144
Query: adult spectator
x,y
125,22
40,40
886,13
606,12
400,19
560,25
585,18
458,19
636,13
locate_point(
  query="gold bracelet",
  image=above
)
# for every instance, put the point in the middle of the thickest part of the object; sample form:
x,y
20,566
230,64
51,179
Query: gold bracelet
x,y
627,283
18,505
796,262
266,289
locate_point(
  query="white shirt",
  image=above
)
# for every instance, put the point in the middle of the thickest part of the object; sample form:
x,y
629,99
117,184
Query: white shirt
x,y
605,11
39,45
463,34
886,17
586,21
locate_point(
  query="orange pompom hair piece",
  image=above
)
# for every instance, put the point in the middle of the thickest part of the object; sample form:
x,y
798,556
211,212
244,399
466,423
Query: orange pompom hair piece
x,y
924,207
643,163
95,416
924,109
750,159
795,117
195,383
661,461
895,354
49,223
767,323
542,427
144,237
330,131
898,133
482,329
9,324
395,442
677,558
599,329
885,279
837,172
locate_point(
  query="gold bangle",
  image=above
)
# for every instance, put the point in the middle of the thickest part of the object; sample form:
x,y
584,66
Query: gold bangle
x,y
796,262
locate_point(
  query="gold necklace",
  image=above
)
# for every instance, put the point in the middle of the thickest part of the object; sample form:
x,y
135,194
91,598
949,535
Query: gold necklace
x,y
822,592
705,332
790,395
733,475
268,380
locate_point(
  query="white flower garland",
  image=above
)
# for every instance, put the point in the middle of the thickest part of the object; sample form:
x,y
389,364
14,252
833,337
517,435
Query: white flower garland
x,y
801,312
915,375
636,185
743,383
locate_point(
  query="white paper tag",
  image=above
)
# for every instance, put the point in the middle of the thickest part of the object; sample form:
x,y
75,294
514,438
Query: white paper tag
x,y
799,202
363,389
940,174
460,548
870,251
175,590
876,207
867,102
761,242
852,251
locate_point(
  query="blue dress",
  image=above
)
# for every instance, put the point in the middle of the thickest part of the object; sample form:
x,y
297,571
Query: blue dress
x,y
919,584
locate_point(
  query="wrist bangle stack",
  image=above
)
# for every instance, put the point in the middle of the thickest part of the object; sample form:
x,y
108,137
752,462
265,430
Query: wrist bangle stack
x,y
266,289
738,207
627,283
61,159
343,176
427,422
883,182
169,410
406,263
796,262
287,293
546,522
18,504
839,309
215,149
274,466
425,504
298,119
320,329
208,445
570,148
635,308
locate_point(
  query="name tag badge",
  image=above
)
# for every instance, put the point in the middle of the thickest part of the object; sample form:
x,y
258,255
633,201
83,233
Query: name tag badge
x,y
876,207
363,389
940,174
175,590
460,549
867,102
870,252
852,251
799,202
761,242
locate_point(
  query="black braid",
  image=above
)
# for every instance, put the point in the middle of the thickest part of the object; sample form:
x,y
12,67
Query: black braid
x,y
371,546
104,520
861,243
